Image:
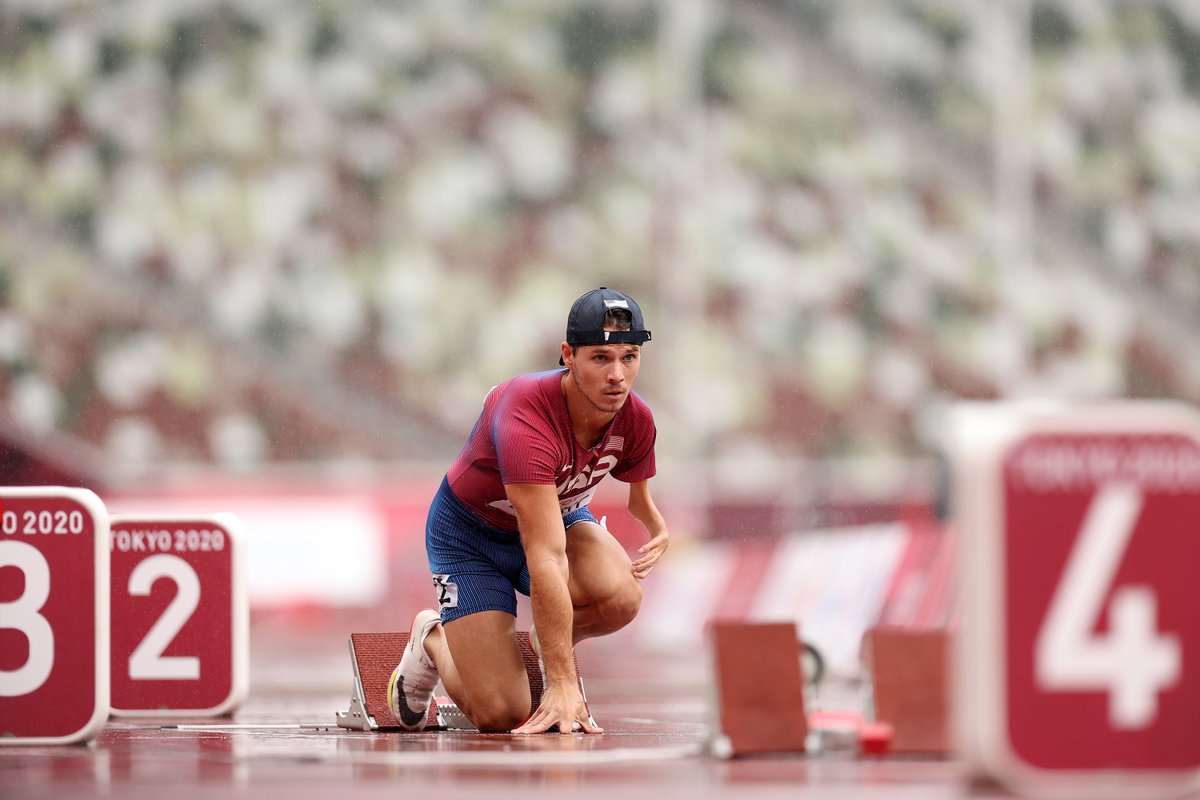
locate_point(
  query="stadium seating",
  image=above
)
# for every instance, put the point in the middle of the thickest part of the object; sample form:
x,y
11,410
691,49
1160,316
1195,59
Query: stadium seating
x,y
241,233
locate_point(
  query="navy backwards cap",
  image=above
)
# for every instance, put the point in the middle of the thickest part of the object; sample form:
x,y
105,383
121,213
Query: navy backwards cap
x,y
585,323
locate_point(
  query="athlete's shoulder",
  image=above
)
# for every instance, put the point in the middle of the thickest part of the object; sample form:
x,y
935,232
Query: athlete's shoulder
x,y
532,384
549,377
636,419
639,406
533,399
525,382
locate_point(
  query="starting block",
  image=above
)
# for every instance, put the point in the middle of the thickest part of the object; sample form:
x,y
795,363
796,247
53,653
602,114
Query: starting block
x,y
760,689
910,687
374,657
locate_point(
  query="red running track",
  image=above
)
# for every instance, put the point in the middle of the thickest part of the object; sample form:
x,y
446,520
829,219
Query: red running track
x,y
283,743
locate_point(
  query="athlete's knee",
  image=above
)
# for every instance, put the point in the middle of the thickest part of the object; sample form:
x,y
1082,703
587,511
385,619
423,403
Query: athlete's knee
x,y
498,715
620,607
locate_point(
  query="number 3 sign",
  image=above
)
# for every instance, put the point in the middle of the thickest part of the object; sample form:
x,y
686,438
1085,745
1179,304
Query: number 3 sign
x,y
1079,650
180,645
54,615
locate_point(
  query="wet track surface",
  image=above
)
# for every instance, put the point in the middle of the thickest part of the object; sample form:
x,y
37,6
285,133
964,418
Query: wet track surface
x,y
284,743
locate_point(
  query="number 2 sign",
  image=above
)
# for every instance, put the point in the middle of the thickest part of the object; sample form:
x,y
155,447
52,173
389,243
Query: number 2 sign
x,y
54,615
179,596
1079,651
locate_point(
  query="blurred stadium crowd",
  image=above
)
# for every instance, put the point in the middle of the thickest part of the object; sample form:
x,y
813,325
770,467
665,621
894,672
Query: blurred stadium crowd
x,y
240,233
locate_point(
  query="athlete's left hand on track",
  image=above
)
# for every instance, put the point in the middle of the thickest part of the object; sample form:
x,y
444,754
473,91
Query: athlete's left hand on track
x,y
651,552
561,705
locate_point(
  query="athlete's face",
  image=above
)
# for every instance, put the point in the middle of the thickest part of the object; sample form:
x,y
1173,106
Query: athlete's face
x,y
604,374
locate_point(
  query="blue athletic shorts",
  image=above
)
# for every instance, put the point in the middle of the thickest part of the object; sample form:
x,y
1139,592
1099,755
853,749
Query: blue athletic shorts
x,y
476,567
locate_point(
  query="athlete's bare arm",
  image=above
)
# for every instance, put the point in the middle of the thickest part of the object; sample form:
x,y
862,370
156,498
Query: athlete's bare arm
x,y
545,543
642,507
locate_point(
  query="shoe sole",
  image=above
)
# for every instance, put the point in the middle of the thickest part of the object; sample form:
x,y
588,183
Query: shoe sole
x,y
422,619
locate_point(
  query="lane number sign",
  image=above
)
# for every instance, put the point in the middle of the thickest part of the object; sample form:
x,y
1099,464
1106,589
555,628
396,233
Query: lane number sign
x,y
179,644
1079,650
54,615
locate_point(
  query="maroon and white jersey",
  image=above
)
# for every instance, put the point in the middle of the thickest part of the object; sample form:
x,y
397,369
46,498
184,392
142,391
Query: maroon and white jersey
x,y
524,435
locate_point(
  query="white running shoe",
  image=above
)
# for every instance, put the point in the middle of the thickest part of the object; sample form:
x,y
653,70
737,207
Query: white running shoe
x,y
410,689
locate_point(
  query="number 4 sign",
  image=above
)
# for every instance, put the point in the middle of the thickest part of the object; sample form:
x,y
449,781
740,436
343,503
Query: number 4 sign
x,y
54,615
180,642
1078,658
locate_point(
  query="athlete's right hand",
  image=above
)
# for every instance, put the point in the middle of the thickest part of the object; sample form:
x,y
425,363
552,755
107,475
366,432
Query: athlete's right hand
x,y
650,553
562,704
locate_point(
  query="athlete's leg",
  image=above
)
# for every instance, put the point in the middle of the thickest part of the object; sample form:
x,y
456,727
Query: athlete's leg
x,y
482,669
478,571
603,590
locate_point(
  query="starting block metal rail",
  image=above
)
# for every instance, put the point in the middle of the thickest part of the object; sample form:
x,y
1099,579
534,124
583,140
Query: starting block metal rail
x,y
375,655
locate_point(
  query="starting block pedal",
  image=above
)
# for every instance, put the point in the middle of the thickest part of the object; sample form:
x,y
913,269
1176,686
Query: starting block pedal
x,y
375,655
910,687
760,689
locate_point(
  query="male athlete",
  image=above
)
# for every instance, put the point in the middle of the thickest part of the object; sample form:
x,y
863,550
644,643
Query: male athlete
x,y
512,515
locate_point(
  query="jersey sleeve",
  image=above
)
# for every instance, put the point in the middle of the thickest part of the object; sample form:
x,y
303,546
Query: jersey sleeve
x,y
526,450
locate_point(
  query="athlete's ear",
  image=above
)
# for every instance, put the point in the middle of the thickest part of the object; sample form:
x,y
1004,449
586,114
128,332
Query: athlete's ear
x,y
568,355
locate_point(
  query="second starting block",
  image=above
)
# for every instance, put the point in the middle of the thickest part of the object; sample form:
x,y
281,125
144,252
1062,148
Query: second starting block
x,y
908,671
375,655
760,689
